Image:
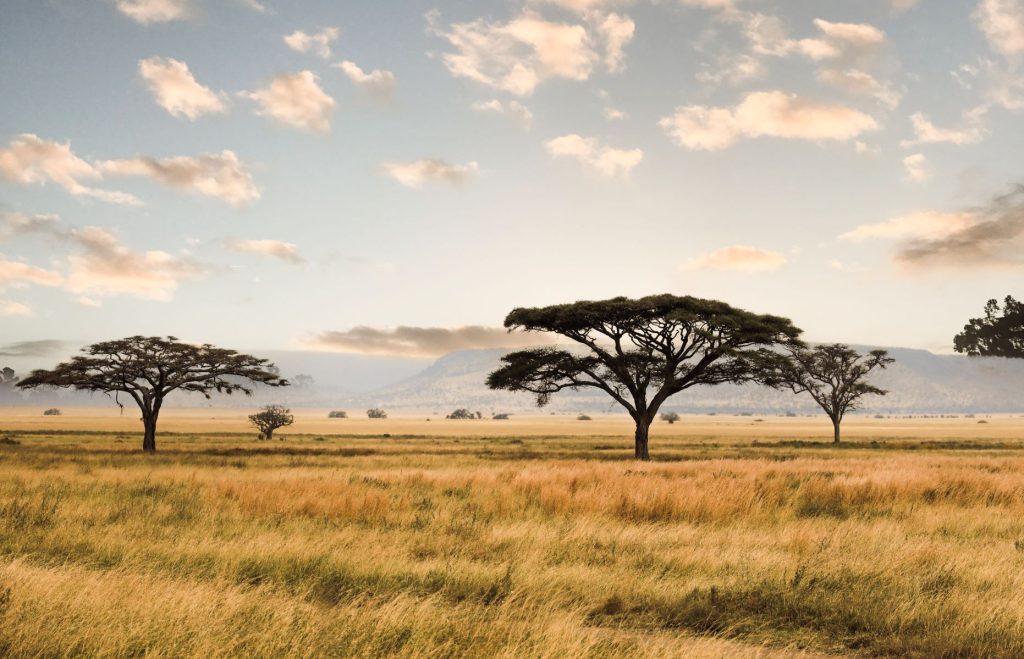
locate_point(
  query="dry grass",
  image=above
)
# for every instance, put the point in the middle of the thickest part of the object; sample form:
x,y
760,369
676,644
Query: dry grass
x,y
514,546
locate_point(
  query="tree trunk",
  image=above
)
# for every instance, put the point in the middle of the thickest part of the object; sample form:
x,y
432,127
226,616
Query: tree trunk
x,y
268,434
643,427
149,439
835,426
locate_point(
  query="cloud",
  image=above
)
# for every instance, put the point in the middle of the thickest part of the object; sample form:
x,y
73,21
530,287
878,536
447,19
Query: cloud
x,y
176,91
925,132
38,348
278,249
155,11
738,258
927,225
517,56
603,159
856,81
419,341
319,43
102,265
9,308
1002,23
917,167
377,83
904,5
731,69
513,109
764,114
767,36
221,175
296,100
416,173
617,32
29,160
16,272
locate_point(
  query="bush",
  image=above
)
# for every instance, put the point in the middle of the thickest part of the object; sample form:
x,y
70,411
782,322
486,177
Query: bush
x,y
461,413
583,417
501,416
337,414
376,413
670,417
53,411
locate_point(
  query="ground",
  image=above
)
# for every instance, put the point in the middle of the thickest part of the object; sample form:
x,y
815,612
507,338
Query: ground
x,y
537,536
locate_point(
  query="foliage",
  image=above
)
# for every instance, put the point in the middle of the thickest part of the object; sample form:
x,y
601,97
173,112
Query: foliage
x,y
670,417
994,335
640,352
376,413
835,376
149,368
270,418
53,411
461,413
337,414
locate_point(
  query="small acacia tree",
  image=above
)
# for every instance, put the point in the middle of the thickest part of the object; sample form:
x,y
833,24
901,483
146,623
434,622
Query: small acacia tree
x,y
376,413
670,417
994,335
270,418
835,375
149,368
640,352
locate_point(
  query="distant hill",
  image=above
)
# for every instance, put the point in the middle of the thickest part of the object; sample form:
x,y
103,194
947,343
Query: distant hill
x,y
919,382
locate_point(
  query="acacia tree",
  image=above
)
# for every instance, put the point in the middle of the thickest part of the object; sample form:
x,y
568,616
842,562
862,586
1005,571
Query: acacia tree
x,y
994,335
640,352
149,368
270,418
834,375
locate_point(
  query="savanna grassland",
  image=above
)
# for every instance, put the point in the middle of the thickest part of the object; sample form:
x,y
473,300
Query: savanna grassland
x,y
532,537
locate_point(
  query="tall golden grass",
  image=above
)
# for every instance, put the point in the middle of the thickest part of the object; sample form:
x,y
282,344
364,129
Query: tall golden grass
x,y
518,547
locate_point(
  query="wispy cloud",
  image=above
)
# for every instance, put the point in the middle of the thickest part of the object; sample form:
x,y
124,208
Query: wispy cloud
x,y
605,160
220,175
11,308
296,100
277,249
176,90
378,83
738,258
415,174
917,167
318,43
155,11
512,109
419,341
37,348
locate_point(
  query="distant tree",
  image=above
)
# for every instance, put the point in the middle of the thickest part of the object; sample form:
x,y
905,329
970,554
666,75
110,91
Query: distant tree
x,y
149,368
376,413
461,413
834,375
270,418
303,381
8,377
583,417
640,352
337,414
670,417
994,335
501,416
479,414
53,411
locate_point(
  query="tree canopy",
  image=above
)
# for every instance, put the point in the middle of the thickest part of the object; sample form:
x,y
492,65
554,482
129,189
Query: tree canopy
x,y
148,368
638,351
1000,333
270,418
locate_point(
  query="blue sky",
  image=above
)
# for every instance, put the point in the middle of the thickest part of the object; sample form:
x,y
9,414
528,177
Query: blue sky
x,y
314,174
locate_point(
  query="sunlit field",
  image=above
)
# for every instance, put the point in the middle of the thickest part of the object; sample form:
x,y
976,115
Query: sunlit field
x,y
536,536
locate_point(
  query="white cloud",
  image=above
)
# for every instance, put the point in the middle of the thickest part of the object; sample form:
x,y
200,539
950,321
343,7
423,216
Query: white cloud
x,y
318,43
278,249
377,83
517,56
862,83
421,341
16,272
1002,22
732,70
926,225
768,36
296,100
738,258
29,160
155,11
617,31
9,308
904,5
764,114
176,91
917,167
221,175
925,132
603,159
512,109
414,174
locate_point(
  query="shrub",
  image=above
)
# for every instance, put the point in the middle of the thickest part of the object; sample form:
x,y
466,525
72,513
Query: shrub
x,y
376,413
501,416
461,413
337,414
583,417
670,417
53,411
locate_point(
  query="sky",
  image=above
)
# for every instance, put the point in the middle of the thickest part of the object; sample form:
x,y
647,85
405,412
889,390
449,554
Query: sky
x,y
392,178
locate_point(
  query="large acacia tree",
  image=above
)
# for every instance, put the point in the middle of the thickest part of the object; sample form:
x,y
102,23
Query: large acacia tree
x,y
640,352
148,368
999,334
